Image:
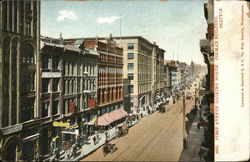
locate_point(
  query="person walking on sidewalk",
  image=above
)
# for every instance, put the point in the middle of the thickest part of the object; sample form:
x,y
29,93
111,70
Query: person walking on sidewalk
x,y
97,137
106,135
94,139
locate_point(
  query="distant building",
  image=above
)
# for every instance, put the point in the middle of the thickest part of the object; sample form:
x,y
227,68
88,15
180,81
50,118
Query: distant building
x,y
184,74
173,67
19,79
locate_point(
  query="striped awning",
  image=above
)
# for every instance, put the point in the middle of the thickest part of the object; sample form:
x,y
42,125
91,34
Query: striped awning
x,y
110,117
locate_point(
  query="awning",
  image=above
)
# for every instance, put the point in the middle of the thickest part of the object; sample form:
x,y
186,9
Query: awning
x,y
110,117
101,121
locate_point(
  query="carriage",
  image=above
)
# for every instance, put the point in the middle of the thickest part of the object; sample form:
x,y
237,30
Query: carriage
x,y
123,130
109,148
162,108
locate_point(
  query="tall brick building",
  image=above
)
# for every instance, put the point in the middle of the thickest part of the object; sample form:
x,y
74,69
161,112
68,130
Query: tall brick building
x,y
110,81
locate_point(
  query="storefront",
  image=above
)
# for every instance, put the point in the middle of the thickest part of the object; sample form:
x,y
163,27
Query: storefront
x,y
30,143
69,136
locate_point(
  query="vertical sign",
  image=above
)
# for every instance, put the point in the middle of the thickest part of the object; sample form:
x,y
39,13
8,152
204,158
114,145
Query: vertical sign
x,y
231,76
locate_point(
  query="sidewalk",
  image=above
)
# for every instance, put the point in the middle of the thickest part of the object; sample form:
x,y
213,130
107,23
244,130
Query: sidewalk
x,y
194,140
87,146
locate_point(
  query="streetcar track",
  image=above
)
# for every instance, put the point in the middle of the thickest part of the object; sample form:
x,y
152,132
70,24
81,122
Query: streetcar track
x,y
141,142
160,132
154,146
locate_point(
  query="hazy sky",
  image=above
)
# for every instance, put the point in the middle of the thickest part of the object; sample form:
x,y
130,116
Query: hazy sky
x,y
176,26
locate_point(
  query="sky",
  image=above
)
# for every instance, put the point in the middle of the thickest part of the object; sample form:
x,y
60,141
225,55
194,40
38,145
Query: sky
x,y
176,25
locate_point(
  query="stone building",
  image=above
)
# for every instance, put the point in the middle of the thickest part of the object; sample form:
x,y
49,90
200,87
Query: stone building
x,y
19,79
69,92
158,88
144,67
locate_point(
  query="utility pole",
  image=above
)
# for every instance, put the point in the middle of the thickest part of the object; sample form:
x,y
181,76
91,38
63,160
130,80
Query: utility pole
x,y
184,121
120,27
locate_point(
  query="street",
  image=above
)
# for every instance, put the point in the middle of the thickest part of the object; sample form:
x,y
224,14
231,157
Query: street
x,y
158,137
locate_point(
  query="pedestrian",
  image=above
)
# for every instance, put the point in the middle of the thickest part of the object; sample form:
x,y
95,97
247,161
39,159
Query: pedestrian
x,y
106,135
74,151
58,155
78,141
94,139
97,137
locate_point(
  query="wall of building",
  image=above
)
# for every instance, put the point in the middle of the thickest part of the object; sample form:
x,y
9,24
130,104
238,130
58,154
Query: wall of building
x,y
19,77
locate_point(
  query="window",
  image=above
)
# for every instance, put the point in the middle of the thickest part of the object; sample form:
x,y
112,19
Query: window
x,y
28,54
45,107
45,85
45,61
130,55
130,76
55,62
130,89
130,66
55,85
27,110
130,45
55,107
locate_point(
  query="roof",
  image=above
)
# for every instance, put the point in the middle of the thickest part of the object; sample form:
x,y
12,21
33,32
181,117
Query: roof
x,y
117,38
46,41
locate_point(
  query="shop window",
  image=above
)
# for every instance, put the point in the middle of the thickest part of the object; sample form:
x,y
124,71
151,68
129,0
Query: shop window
x,y
28,150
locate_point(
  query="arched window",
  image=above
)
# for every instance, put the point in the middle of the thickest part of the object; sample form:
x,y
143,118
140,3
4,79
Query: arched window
x,y
27,55
14,80
27,74
5,80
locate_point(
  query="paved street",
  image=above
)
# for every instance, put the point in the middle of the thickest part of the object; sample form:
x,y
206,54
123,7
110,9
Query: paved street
x,y
158,137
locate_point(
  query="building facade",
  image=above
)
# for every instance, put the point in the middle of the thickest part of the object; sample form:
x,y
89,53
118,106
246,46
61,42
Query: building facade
x,y
144,68
158,74
19,83
69,93
173,67
110,82
207,49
